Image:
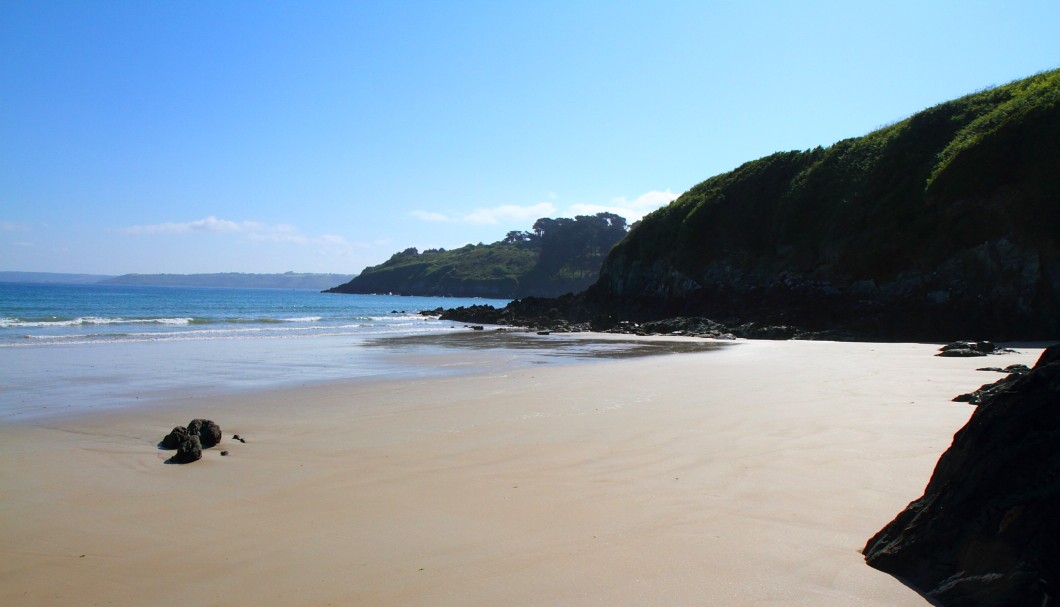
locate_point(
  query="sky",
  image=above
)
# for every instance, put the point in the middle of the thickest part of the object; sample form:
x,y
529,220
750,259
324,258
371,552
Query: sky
x,y
270,136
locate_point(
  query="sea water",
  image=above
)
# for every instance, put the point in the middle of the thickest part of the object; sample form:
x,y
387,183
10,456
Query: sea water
x,y
45,315
70,348
74,349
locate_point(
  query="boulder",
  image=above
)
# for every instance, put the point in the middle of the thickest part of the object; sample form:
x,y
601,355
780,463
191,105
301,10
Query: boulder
x,y
987,390
961,352
1018,369
986,530
984,391
207,431
190,450
175,437
971,348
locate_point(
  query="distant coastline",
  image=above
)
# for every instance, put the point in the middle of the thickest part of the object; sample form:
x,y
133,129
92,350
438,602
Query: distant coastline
x,y
53,278
236,280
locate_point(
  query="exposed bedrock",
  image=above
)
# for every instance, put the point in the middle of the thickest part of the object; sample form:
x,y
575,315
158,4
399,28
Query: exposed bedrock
x,y
986,532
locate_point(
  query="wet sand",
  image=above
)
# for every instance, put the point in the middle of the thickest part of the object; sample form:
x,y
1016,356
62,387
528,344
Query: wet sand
x,y
752,475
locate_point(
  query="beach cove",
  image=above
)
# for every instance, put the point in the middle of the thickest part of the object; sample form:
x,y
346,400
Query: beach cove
x,y
749,475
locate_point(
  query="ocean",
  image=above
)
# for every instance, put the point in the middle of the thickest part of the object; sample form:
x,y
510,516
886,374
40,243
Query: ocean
x,y
74,349
35,315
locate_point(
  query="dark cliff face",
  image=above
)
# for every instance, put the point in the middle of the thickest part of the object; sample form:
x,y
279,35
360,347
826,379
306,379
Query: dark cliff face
x,y
986,532
944,225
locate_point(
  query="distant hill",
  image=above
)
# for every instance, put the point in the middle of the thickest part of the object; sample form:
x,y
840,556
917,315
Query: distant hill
x,y
944,225
289,280
51,278
557,256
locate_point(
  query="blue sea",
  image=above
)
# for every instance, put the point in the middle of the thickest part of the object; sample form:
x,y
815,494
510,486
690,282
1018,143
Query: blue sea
x,y
75,349
35,315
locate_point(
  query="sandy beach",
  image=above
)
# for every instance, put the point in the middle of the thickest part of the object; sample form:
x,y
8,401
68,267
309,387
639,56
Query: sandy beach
x,y
752,475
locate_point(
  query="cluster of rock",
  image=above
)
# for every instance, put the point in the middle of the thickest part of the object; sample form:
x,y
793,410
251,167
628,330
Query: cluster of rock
x,y
972,348
1014,372
190,440
986,531
565,315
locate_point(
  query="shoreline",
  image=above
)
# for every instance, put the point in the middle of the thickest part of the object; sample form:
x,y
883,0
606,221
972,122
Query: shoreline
x,y
71,380
745,476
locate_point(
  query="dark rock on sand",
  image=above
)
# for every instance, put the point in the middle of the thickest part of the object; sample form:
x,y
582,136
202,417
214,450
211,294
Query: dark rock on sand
x,y
190,450
175,437
1019,369
986,390
972,348
207,431
986,531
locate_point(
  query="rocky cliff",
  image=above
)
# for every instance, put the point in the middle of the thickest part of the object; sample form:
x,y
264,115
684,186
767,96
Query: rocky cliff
x,y
986,532
946,224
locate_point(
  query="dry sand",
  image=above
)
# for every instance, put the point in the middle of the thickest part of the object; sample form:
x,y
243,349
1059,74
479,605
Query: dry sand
x,y
750,476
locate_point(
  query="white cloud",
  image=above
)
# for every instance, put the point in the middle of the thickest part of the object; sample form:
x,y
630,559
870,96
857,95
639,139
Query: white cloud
x,y
632,210
249,230
209,224
429,216
648,201
10,226
511,212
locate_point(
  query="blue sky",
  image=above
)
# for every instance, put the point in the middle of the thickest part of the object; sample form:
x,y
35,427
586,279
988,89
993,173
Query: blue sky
x,y
195,136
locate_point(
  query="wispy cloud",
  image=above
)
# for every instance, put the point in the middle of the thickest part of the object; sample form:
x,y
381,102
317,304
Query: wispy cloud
x,y
632,210
11,226
249,230
492,215
209,224
429,216
511,212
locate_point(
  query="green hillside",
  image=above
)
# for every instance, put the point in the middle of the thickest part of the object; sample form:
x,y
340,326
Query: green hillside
x,y
557,256
945,225
943,222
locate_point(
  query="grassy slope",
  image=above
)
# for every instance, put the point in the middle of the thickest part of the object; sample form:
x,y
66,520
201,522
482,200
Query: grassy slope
x,y
472,269
904,198
559,256
863,205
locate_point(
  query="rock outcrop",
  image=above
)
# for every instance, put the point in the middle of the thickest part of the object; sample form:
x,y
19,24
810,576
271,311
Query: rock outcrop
x,y
987,531
190,450
191,440
175,437
207,431
987,390
971,348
